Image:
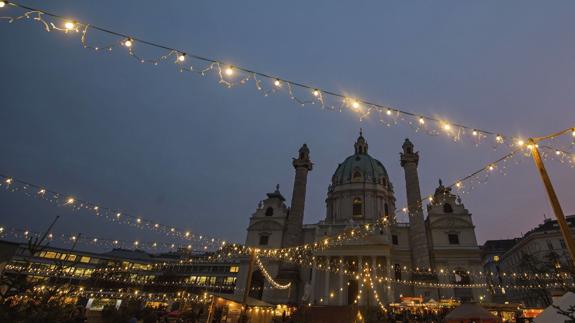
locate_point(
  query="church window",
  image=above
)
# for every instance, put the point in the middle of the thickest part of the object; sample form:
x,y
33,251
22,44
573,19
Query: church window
x,y
356,175
270,211
264,240
447,208
394,240
357,207
453,238
386,210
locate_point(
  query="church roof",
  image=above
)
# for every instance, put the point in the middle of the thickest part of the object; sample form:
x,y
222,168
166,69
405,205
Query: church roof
x,y
371,169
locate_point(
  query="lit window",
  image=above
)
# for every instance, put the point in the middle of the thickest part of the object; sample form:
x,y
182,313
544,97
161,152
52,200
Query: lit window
x,y
234,269
85,259
495,258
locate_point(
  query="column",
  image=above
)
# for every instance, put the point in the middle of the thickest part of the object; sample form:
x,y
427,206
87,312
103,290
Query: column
x,y
360,281
340,288
326,284
389,291
313,277
373,274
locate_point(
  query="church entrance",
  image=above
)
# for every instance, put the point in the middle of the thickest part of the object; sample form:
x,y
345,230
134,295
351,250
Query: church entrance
x,y
257,288
352,291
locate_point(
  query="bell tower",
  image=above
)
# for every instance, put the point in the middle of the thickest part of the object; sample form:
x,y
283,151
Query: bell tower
x,y
417,233
302,165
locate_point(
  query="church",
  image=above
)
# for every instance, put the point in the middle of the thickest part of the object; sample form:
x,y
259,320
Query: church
x,y
417,257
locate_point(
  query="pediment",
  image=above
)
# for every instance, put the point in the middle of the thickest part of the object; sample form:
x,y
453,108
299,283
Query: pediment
x,y
265,225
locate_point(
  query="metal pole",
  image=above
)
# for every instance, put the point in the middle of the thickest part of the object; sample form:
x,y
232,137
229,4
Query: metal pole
x,y
554,201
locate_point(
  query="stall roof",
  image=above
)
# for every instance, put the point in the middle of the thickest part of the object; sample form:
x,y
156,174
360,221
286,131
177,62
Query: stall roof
x,y
238,299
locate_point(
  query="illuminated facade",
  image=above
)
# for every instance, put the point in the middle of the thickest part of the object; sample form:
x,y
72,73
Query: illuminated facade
x,y
361,193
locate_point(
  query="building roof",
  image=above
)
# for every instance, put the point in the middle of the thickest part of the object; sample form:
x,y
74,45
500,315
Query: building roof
x,y
471,311
371,169
501,245
552,225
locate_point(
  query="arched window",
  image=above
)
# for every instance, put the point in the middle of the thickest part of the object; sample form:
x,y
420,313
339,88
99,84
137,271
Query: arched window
x,y
270,211
357,207
386,210
356,175
447,208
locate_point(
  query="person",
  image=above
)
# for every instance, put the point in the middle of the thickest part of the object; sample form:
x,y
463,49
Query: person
x,y
79,315
150,318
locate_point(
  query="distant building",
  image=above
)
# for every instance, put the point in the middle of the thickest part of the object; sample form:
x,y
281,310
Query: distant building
x,y
540,251
121,268
361,193
491,253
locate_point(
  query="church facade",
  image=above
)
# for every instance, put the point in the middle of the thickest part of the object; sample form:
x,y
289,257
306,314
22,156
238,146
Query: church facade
x,y
437,249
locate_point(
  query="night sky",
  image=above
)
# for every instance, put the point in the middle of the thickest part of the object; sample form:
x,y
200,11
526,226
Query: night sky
x,y
186,151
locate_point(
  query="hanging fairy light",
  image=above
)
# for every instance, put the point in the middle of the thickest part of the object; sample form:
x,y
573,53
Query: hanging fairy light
x,y
2,4
128,42
452,130
229,70
69,25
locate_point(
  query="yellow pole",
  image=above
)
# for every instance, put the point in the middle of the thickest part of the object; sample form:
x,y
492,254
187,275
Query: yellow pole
x,y
554,201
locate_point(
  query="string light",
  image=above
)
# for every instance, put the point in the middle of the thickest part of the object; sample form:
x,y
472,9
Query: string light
x,y
268,276
421,120
277,83
128,41
69,25
2,4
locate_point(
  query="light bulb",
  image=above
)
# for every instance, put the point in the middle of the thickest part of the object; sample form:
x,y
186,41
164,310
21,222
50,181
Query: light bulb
x,y
70,201
557,152
128,43
69,25
421,120
498,138
573,132
355,104
2,4
277,83
520,143
447,127
8,181
316,93
230,70
182,57
474,132
491,167
388,112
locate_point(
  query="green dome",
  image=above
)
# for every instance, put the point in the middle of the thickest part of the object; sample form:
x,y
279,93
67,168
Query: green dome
x,y
360,167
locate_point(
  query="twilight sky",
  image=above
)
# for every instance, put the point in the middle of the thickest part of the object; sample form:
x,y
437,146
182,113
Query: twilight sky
x,y
185,151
